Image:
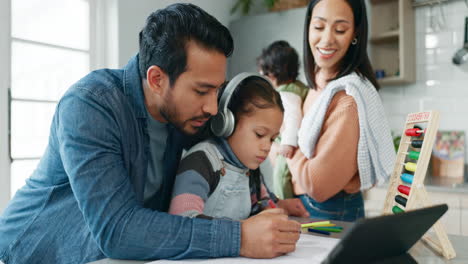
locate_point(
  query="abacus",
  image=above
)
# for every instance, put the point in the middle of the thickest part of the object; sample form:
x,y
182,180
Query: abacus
x,y
406,187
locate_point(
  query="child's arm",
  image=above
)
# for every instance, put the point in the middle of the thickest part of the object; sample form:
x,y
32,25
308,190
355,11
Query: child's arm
x,y
293,207
292,104
287,151
194,183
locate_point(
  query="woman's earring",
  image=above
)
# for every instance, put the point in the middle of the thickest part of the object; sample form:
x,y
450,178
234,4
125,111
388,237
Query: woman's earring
x,y
354,42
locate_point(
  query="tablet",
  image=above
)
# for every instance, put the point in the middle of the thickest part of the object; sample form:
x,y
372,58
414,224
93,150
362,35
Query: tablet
x,y
379,239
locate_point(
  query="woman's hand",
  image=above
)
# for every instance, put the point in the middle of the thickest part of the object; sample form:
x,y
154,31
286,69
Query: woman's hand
x,y
293,206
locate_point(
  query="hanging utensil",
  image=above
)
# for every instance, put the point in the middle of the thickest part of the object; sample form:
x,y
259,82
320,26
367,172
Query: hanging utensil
x,y
461,56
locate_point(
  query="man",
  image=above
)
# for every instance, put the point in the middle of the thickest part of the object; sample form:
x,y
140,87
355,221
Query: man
x,y
104,182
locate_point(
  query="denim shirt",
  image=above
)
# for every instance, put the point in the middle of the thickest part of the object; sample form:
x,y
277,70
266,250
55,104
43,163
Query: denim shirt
x,y
84,201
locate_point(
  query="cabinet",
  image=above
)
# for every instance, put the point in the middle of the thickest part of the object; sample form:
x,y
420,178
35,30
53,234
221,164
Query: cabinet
x,y
392,40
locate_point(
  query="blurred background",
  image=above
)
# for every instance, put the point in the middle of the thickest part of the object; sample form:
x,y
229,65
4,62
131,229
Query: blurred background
x,y
47,45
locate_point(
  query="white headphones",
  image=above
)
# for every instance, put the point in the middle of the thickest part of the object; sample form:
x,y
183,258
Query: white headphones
x,y
223,123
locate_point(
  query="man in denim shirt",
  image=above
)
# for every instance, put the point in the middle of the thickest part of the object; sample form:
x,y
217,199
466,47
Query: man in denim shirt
x,y
104,183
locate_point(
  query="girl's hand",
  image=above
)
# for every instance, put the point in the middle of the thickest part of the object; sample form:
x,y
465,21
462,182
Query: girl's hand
x,y
287,151
293,206
274,211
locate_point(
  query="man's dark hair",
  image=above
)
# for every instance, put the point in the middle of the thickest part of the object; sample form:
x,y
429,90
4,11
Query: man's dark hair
x,y
280,60
163,40
355,59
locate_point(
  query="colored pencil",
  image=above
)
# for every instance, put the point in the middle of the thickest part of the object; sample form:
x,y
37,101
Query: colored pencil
x,y
321,223
271,204
319,231
335,229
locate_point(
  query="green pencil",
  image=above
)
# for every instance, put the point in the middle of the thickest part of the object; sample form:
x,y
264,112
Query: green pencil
x,y
335,229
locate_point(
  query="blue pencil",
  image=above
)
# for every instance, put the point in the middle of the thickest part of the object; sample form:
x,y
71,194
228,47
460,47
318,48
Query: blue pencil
x,y
318,231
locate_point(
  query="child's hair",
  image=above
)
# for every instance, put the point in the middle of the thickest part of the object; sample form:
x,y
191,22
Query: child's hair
x,y
280,60
254,92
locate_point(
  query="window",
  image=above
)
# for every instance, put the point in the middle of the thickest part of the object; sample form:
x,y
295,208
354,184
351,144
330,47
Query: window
x,y
50,50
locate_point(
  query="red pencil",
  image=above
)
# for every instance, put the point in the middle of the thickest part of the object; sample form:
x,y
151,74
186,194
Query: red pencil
x,y
271,204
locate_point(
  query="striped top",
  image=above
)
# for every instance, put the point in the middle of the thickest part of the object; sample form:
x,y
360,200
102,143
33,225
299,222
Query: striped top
x,y
212,182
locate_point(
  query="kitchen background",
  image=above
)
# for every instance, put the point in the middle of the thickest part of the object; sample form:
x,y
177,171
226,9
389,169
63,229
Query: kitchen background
x,y
438,85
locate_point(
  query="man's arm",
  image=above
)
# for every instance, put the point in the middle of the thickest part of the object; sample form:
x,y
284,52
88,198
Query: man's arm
x,y
269,234
90,146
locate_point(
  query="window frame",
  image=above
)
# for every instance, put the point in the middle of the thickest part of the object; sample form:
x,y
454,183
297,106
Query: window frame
x,y
5,69
98,58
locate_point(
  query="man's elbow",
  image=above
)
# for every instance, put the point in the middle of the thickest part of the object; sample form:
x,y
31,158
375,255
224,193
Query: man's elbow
x,y
111,250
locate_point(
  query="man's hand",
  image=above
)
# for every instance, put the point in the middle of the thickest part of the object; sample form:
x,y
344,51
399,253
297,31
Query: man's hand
x,y
268,235
287,151
293,207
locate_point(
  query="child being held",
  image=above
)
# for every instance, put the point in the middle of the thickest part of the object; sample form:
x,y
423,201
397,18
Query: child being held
x,y
220,177
280,63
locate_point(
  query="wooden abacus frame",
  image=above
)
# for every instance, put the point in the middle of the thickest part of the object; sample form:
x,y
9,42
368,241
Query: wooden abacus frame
x,y
418,192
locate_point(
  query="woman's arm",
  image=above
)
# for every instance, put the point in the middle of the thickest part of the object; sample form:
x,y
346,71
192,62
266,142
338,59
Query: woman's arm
x,y
334,162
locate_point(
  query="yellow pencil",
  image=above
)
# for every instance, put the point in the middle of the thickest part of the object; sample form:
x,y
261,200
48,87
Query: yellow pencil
x,y
325,225
321,223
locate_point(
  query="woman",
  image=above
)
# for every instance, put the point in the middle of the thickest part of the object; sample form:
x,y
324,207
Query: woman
x,y
345,142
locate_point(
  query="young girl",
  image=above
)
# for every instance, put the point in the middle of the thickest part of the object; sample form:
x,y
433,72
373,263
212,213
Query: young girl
x,y
220,177
344,140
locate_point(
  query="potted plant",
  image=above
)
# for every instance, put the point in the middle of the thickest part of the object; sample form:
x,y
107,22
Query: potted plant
x,y
273,5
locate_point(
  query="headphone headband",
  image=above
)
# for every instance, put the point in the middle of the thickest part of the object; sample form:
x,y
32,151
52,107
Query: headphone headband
x,y
232,85
223,123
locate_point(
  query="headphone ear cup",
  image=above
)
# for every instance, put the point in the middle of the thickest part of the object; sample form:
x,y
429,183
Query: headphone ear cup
x,y
217,124
229,123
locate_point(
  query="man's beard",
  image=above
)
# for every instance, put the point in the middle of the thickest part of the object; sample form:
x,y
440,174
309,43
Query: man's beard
x,y
169,112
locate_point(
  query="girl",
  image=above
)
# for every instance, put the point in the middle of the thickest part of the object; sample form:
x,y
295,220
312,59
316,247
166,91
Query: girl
x,y
220,177
344,139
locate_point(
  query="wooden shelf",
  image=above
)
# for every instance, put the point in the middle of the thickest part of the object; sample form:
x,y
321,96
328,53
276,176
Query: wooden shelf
x,y
392,80
392,41
390,36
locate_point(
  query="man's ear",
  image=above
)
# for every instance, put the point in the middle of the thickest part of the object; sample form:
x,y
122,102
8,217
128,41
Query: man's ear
x,y
156,79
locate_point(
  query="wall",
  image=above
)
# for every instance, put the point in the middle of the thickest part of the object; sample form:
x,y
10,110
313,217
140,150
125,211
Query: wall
x,y
253,33
131,18
440,84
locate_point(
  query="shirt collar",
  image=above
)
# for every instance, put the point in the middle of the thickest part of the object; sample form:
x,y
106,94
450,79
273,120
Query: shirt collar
x,y
228,154
132,86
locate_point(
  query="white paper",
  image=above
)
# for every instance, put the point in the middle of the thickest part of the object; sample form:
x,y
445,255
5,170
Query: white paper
x,y
310,249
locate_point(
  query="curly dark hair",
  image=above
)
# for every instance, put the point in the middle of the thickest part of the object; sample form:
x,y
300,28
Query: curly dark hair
x,y
280,60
